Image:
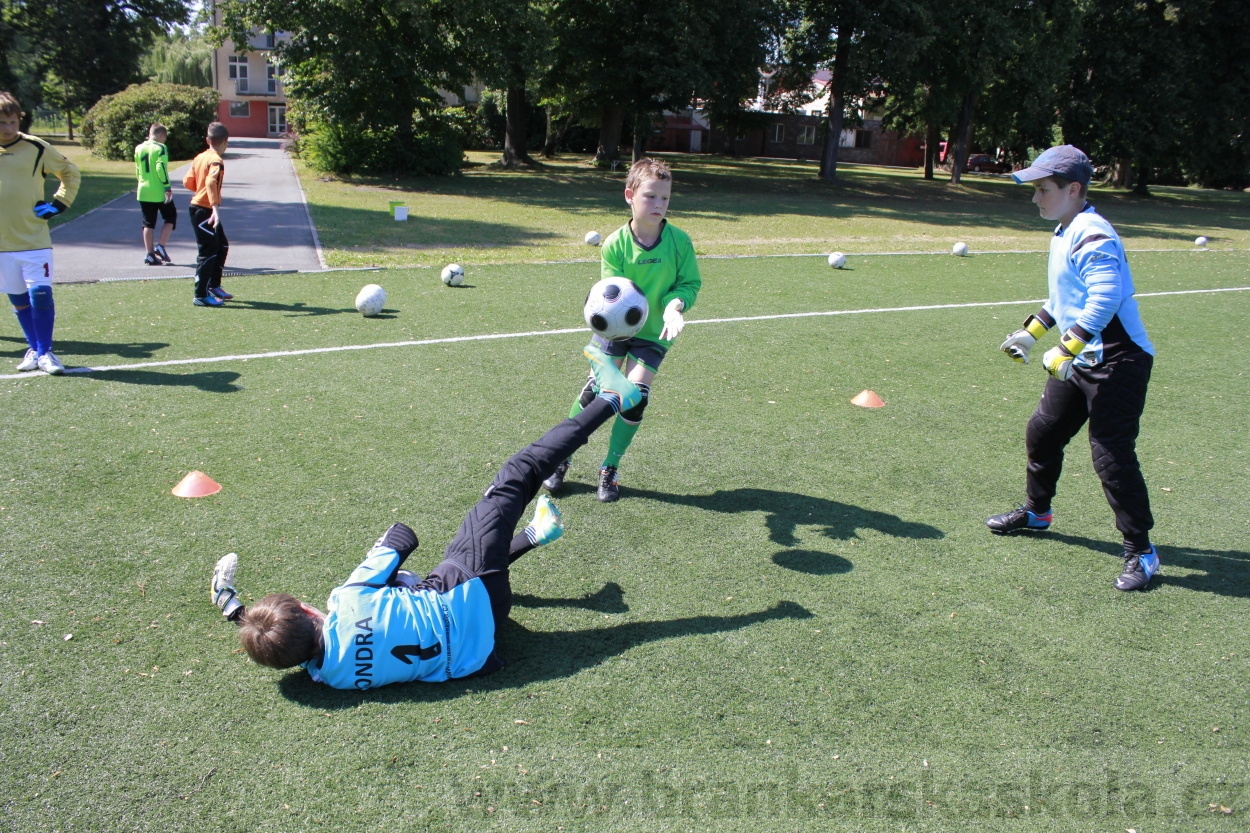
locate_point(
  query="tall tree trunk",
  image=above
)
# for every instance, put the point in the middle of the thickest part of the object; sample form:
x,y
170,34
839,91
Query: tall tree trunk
x,y
1142,179
69,121
837,105
961,136
514,137
609,150
642,132
549,140
930,148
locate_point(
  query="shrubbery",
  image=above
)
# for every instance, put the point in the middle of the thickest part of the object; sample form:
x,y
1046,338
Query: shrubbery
x,y
117,123
435,148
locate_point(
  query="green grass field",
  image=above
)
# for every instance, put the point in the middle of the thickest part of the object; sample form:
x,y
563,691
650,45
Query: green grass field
x,y
729,207
794,619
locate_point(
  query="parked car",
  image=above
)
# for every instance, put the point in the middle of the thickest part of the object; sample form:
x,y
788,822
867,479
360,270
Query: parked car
x,y
982,163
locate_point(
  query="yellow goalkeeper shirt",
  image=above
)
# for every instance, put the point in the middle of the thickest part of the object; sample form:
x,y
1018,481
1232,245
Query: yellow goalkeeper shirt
x,y
24,163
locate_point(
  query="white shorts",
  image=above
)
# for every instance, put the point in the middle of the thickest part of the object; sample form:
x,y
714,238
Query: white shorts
x,y
22,271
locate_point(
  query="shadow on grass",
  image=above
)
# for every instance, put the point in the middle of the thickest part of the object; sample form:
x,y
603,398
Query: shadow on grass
x,y
732,190
1223,572
125,350
786,511
609,599
813,562
299,308
536,656
213,381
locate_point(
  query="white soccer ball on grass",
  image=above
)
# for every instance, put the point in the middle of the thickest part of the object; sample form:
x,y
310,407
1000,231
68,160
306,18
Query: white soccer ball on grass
x,y
593,238
837,260
615,309
371,300
1201,241
960,250
453,275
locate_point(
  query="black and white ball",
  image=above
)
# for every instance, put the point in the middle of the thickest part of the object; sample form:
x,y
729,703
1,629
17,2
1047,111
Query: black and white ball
x,y
615,309
452,274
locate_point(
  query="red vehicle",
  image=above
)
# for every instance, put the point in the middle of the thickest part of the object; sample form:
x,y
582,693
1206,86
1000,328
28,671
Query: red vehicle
x,y
982,163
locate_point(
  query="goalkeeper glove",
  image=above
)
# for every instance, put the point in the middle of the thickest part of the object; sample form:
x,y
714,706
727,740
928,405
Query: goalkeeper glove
x,y
1019,343
673,322
48,210
1058,359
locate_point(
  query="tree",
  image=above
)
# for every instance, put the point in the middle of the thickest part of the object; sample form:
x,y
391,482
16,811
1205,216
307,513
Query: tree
x,y
511,46
86,49
365,71
638,58
860,42
179,59
1159,89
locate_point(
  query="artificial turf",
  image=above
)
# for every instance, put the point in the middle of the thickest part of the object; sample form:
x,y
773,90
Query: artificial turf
x,y
793,620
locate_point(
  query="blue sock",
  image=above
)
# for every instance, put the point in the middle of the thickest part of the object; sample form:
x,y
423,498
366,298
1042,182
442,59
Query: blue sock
x,y
44,315
25,317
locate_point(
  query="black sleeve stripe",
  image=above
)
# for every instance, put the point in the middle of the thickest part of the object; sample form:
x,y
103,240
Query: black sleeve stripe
x,y
1093,238
1045,318
38,156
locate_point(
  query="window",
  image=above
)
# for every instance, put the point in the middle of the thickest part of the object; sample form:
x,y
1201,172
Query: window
x,y
863,139
273,75
807,134
240,109
277,119
236,66
779,133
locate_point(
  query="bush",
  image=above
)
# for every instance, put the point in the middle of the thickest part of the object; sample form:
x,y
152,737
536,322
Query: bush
x,y
338,149
118,122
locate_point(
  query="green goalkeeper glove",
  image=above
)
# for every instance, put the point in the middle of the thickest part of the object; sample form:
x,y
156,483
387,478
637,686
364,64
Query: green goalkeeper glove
x,y
1058,359
1019,343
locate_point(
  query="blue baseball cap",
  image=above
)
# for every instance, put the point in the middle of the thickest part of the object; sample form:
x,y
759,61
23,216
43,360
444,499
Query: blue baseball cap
x,y
1065,160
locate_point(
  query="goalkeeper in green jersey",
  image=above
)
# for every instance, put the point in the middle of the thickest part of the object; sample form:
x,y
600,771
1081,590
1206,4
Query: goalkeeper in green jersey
x,y
659,258
155,194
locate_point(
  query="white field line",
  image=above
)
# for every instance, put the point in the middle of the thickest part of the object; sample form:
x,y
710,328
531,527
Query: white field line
x,y
540,333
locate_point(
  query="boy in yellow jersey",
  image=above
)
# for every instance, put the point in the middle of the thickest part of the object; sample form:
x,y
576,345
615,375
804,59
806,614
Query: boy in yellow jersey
x,y
25,245
155,194
204,181
659,258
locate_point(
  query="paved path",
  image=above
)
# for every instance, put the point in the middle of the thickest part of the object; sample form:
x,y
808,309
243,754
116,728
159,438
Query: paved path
x,y
262,209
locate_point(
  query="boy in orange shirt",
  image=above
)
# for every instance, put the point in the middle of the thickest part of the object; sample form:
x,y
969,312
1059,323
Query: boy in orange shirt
x,y
204,181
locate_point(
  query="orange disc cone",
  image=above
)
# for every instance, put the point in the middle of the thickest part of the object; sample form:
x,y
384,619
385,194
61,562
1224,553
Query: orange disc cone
x,y
196,484
867,399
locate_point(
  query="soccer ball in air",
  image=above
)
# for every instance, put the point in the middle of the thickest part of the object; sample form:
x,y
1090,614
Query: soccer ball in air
x,y
615,309
370,300
593,238
453,275
960,250
837,260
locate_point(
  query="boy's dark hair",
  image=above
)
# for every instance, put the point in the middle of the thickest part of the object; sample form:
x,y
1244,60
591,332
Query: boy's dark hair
x,y
647,169
1063,182
217,132
278,633
157,129
9,105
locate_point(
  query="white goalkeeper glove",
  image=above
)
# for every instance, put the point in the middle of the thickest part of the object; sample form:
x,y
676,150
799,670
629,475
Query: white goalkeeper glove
x,y
673,322
1019,343
1058,359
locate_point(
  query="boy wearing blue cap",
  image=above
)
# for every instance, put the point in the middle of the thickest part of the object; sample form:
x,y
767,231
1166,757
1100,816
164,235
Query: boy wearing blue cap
x,y
1099,370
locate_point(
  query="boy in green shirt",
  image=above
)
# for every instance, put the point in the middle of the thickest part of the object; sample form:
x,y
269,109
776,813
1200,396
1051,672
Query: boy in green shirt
x,y
155,194
659,258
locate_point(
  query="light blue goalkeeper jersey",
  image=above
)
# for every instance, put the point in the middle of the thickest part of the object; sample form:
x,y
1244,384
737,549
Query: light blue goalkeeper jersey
x,y
1090,285
375,634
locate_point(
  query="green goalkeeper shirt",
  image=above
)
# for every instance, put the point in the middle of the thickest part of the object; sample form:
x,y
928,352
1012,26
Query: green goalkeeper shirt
x,y
152,171
665,271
